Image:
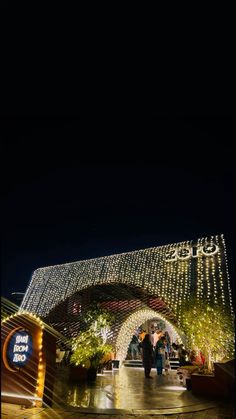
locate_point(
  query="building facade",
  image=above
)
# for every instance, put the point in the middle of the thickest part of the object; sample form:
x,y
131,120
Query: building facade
x,y
136,286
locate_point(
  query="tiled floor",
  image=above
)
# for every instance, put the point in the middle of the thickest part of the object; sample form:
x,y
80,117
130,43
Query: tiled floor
x,y
124,393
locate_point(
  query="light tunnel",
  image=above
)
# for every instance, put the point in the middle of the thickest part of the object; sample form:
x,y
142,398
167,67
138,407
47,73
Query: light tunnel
x,y
132,322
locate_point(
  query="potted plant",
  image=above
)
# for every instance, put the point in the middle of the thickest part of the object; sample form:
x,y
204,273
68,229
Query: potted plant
x,y
89,349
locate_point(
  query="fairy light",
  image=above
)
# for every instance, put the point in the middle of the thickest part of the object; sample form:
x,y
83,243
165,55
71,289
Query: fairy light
x,y
222,277
227,275
38,394
130,324
207,276
186,273
41,369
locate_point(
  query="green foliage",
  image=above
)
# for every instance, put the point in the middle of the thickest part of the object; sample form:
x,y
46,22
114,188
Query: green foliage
x,y
210,328
98,318
89,347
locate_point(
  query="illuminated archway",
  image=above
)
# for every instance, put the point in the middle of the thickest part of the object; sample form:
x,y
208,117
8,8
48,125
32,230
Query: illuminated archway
x,y
126,330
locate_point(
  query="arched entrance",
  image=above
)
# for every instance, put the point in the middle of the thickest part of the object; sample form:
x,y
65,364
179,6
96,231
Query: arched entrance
x,y
131,323
121,300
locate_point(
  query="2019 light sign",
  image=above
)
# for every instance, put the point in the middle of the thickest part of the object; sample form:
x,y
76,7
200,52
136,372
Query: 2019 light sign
x,y
187,252
19,348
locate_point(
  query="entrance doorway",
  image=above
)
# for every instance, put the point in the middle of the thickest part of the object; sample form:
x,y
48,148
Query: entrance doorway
x,y
156,328
148,320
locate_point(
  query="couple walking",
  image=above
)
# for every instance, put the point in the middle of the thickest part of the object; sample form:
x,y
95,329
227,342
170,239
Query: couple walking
x,y
149,357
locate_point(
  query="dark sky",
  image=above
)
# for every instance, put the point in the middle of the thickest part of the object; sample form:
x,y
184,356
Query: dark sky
x,y
84,187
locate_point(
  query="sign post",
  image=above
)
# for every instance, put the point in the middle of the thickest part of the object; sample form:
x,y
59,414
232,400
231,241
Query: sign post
x,y
28,361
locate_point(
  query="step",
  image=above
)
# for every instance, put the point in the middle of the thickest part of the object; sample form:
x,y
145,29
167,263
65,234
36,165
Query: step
x,y
133,363
174,363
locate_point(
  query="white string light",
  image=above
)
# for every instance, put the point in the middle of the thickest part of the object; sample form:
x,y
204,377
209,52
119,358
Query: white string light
x,y
173,273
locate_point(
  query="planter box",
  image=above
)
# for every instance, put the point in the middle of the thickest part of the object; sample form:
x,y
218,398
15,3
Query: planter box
x,y
225,373
82,374
77,373
188,384
221,384
208,385
91,374
115,363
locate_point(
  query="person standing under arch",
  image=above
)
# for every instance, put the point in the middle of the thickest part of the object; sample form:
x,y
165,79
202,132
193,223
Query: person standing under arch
x,y
147,355
160,355
134,347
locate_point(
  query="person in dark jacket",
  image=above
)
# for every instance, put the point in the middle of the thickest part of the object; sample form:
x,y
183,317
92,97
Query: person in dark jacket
x,y
147,355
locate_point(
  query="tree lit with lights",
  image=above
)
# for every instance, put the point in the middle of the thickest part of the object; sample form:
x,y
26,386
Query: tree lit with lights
x,y
89,347
210,329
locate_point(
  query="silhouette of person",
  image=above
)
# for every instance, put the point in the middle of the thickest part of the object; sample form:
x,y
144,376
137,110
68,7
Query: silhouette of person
x,y
147,355
134,347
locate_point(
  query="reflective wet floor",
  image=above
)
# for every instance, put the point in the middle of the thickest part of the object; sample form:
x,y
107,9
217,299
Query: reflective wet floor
x,y
127,389
124,393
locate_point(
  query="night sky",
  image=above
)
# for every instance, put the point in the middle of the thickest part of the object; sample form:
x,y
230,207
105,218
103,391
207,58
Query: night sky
x,y
83,187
